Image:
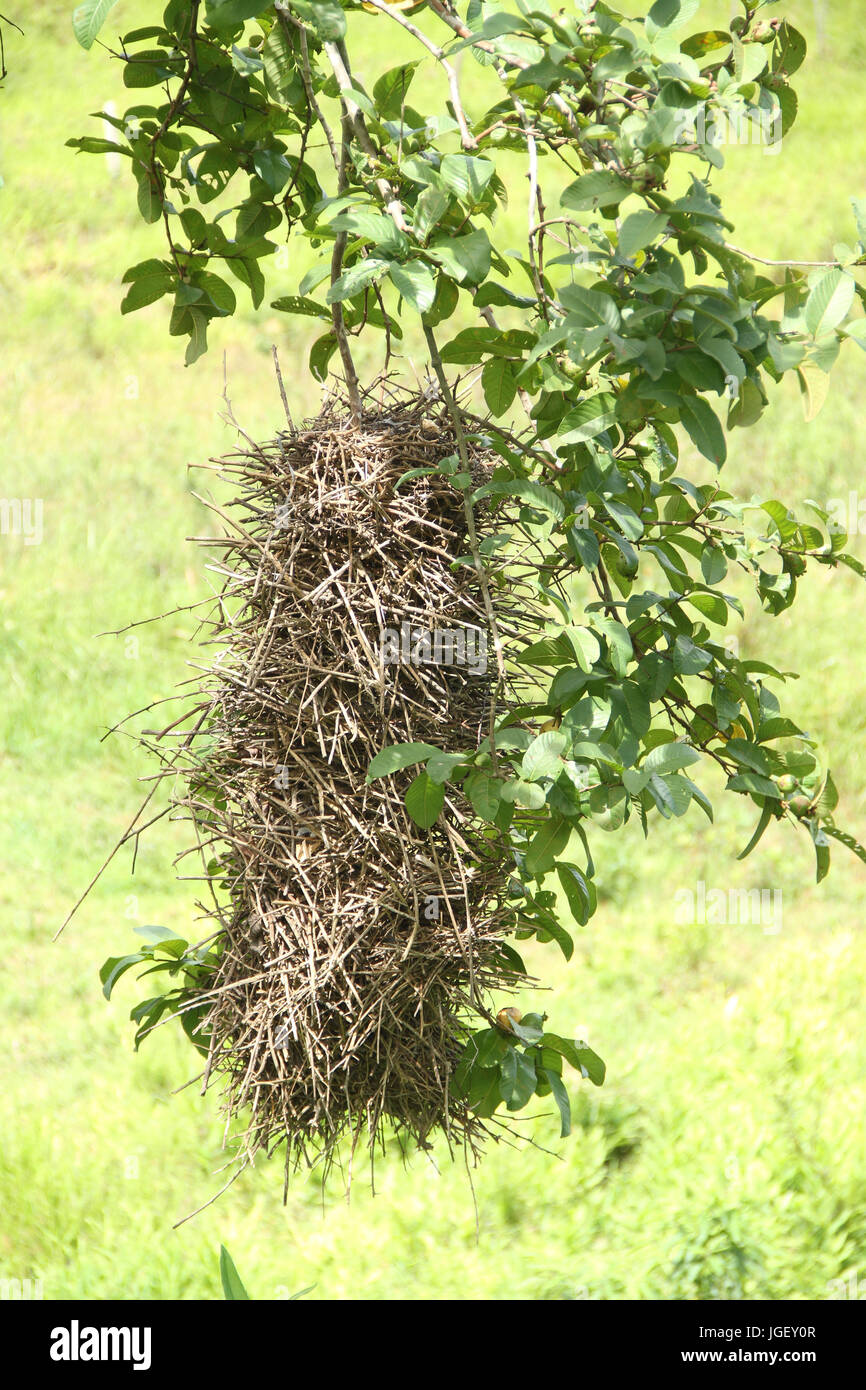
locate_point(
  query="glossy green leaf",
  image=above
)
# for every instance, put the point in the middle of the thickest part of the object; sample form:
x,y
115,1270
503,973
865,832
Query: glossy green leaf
x,y
424,800
397,756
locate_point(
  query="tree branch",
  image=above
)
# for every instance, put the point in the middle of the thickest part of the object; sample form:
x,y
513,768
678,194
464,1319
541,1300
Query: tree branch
x,y
466,136
338,59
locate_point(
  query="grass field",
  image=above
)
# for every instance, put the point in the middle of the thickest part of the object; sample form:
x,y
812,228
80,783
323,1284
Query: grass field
x,y
726,1155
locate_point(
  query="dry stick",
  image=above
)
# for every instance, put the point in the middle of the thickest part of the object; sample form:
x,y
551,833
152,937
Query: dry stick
x,y
97,876
460,436
466,136
234,1177
282,389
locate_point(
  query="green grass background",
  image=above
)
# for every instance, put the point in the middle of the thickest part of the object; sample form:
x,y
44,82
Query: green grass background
x,y
726,1155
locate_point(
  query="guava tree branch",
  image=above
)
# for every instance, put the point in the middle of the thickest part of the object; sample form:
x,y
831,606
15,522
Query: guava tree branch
x,y
456,24
337,318
466,136
286,17
338,58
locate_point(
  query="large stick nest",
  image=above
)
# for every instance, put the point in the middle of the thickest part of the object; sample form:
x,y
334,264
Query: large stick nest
x,y
354,944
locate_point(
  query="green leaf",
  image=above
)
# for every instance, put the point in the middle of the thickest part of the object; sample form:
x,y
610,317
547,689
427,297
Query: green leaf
x,y
592,417
638,230
326,17
536,494
430,208
619,642
161,936
560,1095
94,144
589,308
112,969
578,1055
389,90
424,800
543,757
197,345
703,428
352,281
498,385
714,564
755,783
712,606
529,1029
583,544
626,519
485,794
822,850
600,186
465,175
283,82
442,765
150,281
321,353
88,19
465,258
297,304
829,301
372,226
516,1079
670,757
747,754
221,295
416,282
546,845
790,49
759,829
575,888
527,794
149,199
689,658
547,927
231,1281
397,756
670,14
847,840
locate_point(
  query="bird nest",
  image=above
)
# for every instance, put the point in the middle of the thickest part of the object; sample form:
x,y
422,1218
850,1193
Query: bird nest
x,y
354,945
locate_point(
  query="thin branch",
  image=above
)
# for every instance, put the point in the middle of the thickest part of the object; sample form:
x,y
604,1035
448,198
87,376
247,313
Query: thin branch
x,y
337,317
282,389
466,136
338,59
286,18
128,834
761,260
509,59
534,193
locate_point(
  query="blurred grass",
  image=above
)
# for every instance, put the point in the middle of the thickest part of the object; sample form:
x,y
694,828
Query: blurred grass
x,y
725,1155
